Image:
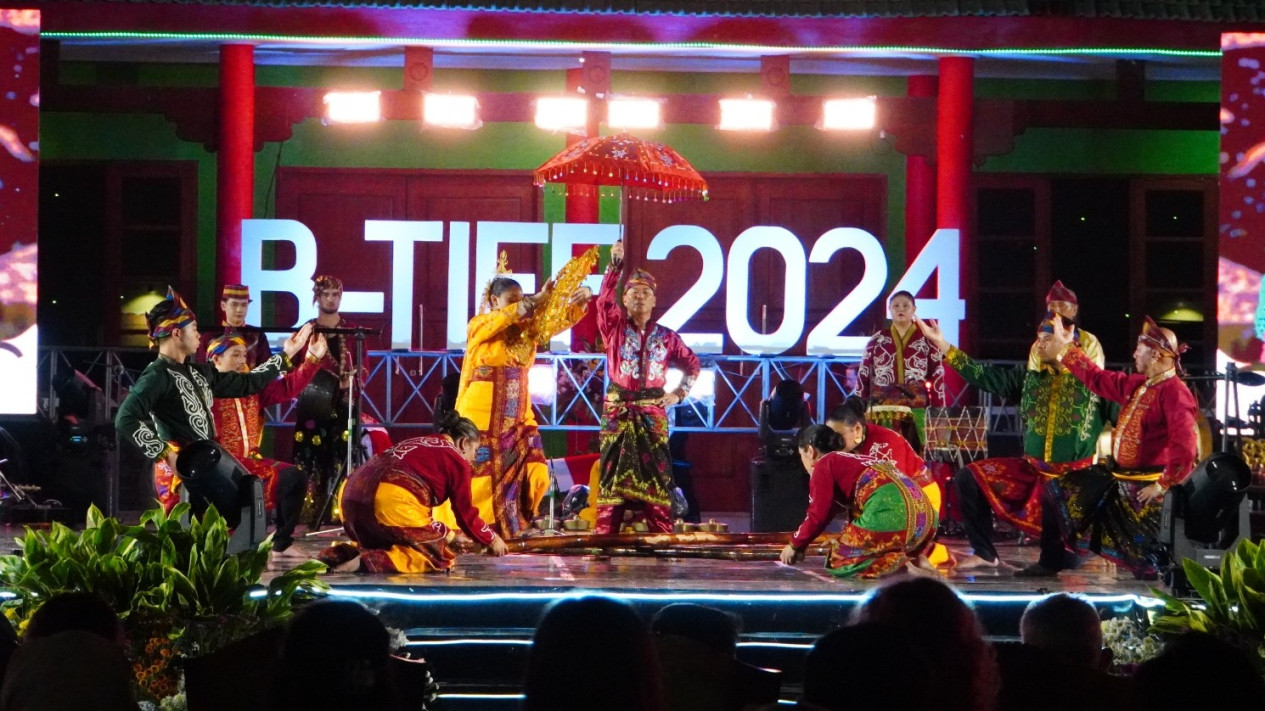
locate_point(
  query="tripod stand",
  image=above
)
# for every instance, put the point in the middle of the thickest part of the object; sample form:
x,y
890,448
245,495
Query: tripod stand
x,y
355,454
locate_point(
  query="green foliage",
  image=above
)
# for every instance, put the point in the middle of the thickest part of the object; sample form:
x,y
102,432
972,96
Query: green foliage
x,y
160,570
1232,604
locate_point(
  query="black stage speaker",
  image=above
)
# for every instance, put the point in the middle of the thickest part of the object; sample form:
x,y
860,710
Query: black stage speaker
x,y
779,494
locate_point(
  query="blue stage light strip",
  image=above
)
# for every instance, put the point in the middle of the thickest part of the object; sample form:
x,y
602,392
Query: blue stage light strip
x,y
851,598
483,697
466,641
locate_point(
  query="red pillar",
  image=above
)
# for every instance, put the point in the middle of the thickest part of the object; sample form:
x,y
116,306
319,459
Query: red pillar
x,y
954,152
920,184
235,160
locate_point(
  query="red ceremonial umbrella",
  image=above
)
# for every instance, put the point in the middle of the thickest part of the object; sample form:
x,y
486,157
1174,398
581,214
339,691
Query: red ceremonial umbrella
x,y
646,170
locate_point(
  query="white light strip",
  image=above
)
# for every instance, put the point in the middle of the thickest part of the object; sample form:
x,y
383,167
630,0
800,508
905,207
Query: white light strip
x,y
977,598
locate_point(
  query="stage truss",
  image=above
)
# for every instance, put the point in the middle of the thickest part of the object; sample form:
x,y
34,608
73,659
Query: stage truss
x,y
401,388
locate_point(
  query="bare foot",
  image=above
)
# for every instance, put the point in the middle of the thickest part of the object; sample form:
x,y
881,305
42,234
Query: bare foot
x,y
974,562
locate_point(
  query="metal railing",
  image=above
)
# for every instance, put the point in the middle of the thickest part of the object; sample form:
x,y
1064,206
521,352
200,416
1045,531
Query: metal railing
x,y
401,387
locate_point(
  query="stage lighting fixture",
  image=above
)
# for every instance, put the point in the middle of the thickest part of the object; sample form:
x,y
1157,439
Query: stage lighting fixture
x,y
704,386
542,386
625,114
451,111
848,114
353,106
746,115
562,113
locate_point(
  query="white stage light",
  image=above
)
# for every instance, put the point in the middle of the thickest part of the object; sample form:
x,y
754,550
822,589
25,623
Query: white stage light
x,y
542,386
562,113
451,111
746,115
848,114
704,386
625,114
353,106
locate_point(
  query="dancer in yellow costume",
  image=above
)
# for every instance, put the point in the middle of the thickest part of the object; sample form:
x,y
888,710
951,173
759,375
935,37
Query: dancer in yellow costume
x,y
511,476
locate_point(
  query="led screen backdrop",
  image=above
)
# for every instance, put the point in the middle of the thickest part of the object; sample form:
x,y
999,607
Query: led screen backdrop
x,y
19,193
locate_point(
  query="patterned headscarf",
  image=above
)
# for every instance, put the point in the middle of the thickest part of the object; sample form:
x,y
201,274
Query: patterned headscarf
x,y
323,282
641,277
1154,337
167,316
1047,323
220,345
1058,292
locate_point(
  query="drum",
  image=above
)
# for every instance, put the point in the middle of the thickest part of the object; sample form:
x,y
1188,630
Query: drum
x,y
319,400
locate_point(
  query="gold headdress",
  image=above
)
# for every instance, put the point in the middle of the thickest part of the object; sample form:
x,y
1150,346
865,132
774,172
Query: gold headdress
x,y
502,270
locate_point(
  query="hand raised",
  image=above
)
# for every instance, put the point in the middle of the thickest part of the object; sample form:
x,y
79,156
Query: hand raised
x,y
297,340
617,251
317,347
931,330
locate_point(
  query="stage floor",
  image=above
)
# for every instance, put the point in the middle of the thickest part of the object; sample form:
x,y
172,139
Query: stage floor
x,y
559,572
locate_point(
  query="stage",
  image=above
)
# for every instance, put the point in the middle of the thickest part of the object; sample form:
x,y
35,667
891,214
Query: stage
x,y
475,624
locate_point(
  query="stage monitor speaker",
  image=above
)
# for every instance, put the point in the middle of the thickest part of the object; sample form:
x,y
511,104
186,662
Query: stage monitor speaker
x,y
779,495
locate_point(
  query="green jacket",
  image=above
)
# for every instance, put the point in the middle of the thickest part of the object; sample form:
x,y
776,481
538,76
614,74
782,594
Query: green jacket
x,y
177,398
1062,418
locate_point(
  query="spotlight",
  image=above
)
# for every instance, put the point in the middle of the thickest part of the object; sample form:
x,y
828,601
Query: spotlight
x,y
848,114
541,385
704,386
746,115
353,106
627,114
451,111
562,113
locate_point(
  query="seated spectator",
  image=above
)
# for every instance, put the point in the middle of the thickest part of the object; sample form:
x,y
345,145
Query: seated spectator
x,y
867,666
72,658
336,657
592,653
944,627
1060,662
697,649
1066,627
79,611
1198,671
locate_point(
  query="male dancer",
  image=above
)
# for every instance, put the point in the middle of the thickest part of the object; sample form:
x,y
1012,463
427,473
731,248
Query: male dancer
x,y
1062,301
240,424
320,435
1113,509
175,394
235,300
635,467
1062,420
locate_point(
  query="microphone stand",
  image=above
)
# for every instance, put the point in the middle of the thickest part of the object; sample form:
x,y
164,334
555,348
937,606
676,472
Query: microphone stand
x,y
354,401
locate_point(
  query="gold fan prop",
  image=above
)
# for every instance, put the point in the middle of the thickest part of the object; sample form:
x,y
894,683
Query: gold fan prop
x,y
552,314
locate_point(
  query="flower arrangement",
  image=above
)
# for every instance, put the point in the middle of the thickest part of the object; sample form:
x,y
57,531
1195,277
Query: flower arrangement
x,y
176,588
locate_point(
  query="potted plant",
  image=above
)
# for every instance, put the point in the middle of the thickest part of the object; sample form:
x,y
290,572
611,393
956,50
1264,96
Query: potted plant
x,y
174,585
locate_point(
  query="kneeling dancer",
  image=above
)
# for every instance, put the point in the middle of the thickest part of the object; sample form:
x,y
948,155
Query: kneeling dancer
x,y
892,520
387,503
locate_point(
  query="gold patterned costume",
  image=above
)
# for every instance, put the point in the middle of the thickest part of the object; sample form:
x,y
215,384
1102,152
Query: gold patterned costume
x,y
510,474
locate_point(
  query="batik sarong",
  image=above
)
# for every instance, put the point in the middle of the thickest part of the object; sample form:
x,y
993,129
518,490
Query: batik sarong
x,y
510,452
635,461
387,511
1014,486
894,520
1098,512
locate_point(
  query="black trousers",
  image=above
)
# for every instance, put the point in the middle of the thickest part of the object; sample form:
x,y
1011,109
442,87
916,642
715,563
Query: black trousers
x,y
291,488
977,521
